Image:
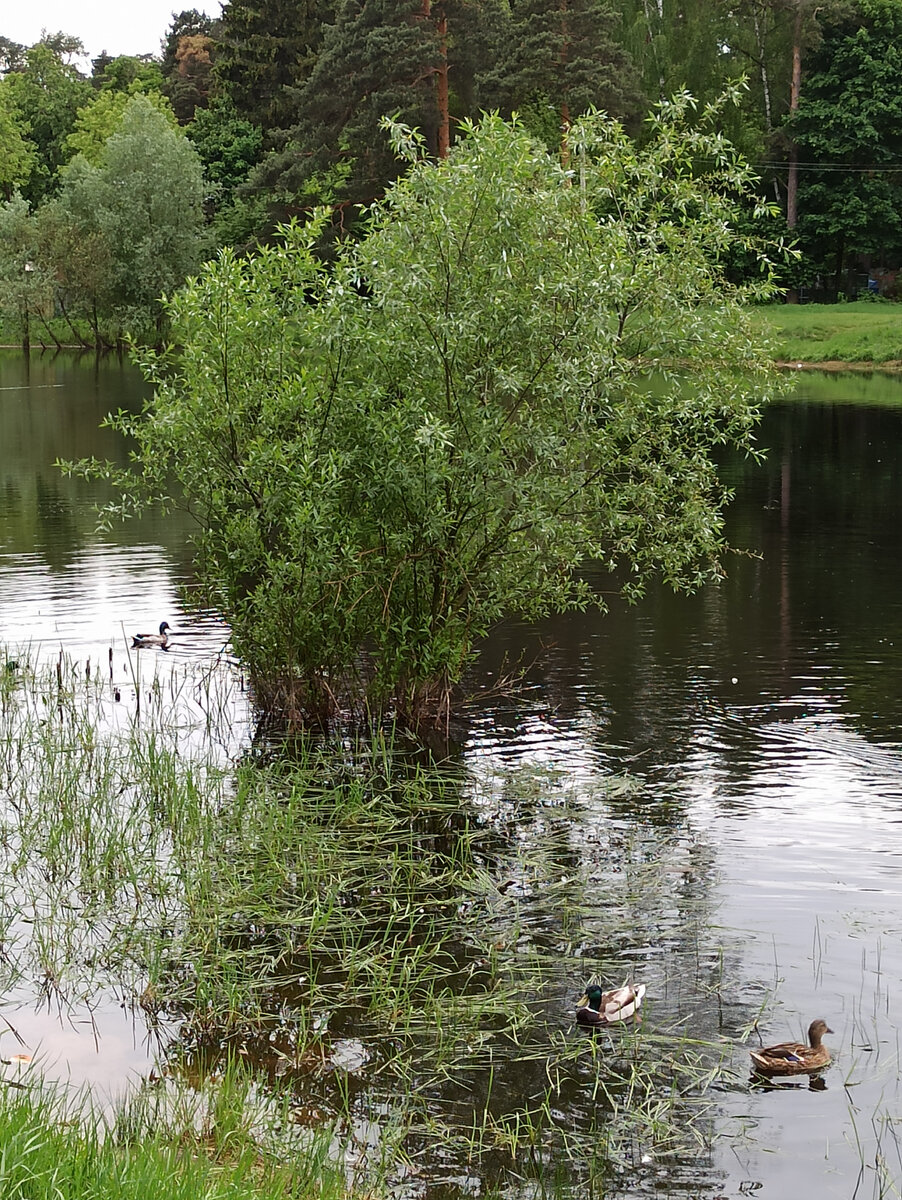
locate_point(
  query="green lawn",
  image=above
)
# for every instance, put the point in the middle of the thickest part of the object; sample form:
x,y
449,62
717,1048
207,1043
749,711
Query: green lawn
x,y
861,332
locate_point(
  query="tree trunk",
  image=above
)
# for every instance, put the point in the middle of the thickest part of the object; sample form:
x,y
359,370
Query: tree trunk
x,y
48,327
792,183
565,134
78,336
440,24
762,63
563,58
840,259
441,87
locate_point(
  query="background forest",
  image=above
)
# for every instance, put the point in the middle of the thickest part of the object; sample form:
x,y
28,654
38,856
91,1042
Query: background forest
x,y
114,187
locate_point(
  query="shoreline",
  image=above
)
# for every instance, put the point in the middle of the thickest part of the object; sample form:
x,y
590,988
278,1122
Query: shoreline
x,y
834,365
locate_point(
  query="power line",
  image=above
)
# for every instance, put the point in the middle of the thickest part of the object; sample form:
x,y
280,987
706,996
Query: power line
x,y
844,167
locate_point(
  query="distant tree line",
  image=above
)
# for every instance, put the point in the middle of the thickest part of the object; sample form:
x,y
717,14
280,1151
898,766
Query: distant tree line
x,y
115,187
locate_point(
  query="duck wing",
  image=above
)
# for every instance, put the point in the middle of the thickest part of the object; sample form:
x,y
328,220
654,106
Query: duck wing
x,y
786,1051
621,1004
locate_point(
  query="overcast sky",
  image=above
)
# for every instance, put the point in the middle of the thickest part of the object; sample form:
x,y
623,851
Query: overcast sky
x,y
117,26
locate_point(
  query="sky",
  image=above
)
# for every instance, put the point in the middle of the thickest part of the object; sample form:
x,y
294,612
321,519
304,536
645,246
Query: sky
x,y
117,26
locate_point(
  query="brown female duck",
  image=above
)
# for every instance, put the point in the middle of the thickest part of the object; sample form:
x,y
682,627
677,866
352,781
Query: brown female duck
x,y
792,1058
598,1007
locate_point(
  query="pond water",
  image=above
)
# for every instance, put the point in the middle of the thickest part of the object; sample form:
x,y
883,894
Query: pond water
x,y
758,724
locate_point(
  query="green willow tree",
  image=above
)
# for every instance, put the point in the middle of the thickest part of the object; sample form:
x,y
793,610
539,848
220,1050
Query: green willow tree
x,y
516,369
142,202
25,288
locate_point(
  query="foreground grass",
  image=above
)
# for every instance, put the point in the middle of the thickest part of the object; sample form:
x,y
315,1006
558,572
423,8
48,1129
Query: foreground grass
x,y
861,332
51,1150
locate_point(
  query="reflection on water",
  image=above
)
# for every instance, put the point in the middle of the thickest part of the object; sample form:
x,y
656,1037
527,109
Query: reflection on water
x,y
755,728
62,585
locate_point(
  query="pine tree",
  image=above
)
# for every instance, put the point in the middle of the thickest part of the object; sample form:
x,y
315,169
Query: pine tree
x,y
189,50
380,58
556,59
267,51
413,59
848,129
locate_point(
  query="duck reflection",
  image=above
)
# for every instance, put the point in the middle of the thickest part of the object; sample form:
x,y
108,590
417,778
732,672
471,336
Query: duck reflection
x,y
798,1083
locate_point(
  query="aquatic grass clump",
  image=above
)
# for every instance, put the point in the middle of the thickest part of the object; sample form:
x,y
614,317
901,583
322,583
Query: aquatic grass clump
x,y
87,826
136,857
349,899
391,950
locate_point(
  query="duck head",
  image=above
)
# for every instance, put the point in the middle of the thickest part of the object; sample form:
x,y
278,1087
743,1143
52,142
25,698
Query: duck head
x,y
816,1031
592,998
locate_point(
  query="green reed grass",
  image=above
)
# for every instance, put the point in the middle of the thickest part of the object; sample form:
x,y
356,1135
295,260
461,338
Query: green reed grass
x,y
280,907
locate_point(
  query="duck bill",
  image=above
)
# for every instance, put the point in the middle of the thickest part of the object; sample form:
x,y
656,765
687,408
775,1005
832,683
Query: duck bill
x,y
583,1001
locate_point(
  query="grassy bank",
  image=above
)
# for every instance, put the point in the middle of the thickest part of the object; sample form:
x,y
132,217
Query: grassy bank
x,y
56,1149
49,335
862,332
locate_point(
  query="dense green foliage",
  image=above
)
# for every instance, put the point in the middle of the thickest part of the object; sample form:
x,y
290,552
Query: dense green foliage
x,y
850,120
283,103
125,229
17,158
388,457
45,96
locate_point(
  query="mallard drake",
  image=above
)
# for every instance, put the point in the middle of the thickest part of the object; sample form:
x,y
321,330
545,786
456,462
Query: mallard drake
x,y
792,1058
152,639
598,1007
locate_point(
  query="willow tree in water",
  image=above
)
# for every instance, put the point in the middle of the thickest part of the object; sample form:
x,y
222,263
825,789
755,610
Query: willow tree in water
x,y
389,455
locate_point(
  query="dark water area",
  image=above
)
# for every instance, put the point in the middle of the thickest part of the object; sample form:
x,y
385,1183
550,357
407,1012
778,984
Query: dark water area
x,y
703,790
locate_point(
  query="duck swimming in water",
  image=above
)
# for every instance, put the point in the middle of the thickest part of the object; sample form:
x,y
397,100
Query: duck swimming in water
x,y
598,1007
793,1058
160,639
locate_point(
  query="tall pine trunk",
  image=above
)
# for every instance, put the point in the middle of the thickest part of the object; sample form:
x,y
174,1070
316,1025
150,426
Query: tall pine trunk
x,y
565,107
441,87
439,21
792,183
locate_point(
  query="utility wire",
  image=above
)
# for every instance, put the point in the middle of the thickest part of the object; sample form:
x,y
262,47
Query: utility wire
x,y
846,168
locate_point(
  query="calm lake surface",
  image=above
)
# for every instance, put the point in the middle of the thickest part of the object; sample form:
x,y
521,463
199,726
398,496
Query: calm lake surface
x,y
758,724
